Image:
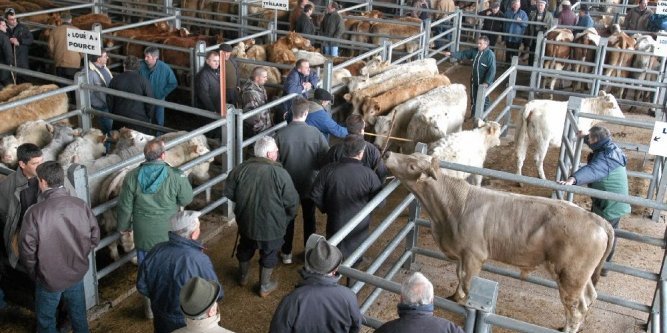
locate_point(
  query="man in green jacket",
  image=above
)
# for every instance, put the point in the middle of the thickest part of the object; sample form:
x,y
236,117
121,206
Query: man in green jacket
x,y
151,194
483,68
266,201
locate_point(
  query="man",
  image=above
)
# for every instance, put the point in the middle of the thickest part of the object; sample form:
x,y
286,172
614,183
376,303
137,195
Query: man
x,y
296,13
639,17
320,118
198,303
300,80
566,15
20,37
303,149
99,75
67,62
342,189
207,83
483,69
162,79
266,201
539,15
372,158
151,194
416,310
605,171
304,23
585,21
131,81
231,74
6,54
253,95
492,24
55,249
19,191
516,27
169,265
332,26
318,303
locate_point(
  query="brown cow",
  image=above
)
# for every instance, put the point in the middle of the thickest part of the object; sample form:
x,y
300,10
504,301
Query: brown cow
x,y
527,232
280,52
383,103
588,37
617,59
557,51
399,32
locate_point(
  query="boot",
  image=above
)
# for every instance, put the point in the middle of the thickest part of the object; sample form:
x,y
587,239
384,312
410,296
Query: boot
x,y
267,285
244,266
147,308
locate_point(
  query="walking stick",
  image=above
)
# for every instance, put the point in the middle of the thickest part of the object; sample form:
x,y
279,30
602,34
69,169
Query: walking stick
x,y
14,75
238,236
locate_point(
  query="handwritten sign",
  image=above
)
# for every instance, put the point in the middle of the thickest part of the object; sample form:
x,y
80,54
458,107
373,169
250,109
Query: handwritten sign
x,y
280,4
658,145
661,8
84,41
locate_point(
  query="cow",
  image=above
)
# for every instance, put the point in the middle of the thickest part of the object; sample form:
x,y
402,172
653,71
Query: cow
x,y
41,109
280,52
375,66
527,232
557,51
62,136
408,27
444,8
468,148
359,27
383,103
618,59
542,122
428,64
589,37
645,43
245,69
37,132
84,150
188,151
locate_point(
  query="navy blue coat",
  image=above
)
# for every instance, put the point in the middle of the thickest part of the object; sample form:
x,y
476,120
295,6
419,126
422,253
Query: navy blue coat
x,y
294,84
414,320
166,268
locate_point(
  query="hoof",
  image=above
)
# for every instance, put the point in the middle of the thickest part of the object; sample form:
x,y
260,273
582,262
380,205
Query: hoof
x,y
519,184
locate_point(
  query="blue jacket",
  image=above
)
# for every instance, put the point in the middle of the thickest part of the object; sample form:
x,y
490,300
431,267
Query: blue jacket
x,y
166,268
294,84
585,21
606,171
516,27
161,77
321,120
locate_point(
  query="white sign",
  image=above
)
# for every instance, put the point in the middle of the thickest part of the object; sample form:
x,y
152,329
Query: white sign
x,y
661,8
276,4
661,46
84,41
658,145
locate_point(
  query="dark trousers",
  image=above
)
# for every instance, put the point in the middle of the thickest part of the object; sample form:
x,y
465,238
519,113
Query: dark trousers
x,y
308,210
46,304
67,73
512,50
492,39
614,224
268,251
473,99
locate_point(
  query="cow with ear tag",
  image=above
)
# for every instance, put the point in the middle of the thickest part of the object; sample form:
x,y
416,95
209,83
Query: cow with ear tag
x,y
472,224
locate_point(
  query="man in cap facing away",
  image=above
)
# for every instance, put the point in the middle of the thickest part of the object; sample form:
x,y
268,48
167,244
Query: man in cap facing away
x,y
198,303
320,118
319,303
169,265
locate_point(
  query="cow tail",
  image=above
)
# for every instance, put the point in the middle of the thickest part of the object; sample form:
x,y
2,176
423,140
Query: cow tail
x,y
610,242
521,137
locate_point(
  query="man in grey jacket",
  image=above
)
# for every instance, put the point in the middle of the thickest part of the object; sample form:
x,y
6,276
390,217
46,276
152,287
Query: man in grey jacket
x,y
99,75
55,249
332,26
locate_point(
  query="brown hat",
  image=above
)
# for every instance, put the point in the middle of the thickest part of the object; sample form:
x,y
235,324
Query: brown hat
x,y
226,47
323,258
197,296
494,5
323,95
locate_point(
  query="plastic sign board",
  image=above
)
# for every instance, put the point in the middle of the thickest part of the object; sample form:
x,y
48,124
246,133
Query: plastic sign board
x,y
279,4
661,46
661,8
658,145
84,41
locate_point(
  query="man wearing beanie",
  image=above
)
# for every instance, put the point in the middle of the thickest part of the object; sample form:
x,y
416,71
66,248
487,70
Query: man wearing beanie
x,y
320,118
318,303
198,303
585,21
169,265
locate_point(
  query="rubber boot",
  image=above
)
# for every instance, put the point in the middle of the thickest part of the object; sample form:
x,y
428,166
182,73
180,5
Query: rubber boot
x,y
147,308
244,266
267,285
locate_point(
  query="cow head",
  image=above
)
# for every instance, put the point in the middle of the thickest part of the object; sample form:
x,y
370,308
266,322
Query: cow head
x,y
609,106
298,41
382,127
8,146
415,167
492,131
375,65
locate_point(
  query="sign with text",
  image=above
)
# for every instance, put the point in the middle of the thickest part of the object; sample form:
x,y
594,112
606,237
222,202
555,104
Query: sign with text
x,y
84,41
280,4
661,8
658,145
661,46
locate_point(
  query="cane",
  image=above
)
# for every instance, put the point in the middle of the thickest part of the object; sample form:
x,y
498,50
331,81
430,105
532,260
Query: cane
x,y
13,75
238,236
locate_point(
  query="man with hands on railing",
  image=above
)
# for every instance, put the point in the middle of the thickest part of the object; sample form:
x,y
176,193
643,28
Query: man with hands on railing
x,y
515,28
483,68
605,171
300,80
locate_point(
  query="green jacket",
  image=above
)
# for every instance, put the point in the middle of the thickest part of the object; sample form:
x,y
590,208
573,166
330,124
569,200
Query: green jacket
x,y
483,65
151,194
264,196
616,182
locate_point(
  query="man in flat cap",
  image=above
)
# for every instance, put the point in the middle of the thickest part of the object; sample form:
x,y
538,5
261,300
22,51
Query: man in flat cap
x,y
318,303
319,116
198,303
544,20
231,74
169,265
493,24
515,27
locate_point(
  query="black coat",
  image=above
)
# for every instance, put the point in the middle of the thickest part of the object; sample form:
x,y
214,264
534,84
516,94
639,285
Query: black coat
x,y
372,158
341,190
207,88
131,82
25,38
318,304
416,321
6,58
304,24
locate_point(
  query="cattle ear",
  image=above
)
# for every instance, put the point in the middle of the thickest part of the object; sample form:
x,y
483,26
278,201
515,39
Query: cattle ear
x,y
115,135
433,170
50,128
480,123
602,93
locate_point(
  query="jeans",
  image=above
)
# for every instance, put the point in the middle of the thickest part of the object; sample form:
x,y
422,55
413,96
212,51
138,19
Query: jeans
x,y
331,50
141,255
614,224
159,114
46,303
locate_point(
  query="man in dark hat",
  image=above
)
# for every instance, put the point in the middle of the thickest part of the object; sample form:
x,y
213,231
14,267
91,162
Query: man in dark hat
x,y
320,118
493,24
198,303
585,20
318,303
20,37
539,15
231,74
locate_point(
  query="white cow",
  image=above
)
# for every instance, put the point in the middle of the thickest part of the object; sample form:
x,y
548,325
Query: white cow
x,y
543,121
375,66
85,149
359,82
62,136
38,132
